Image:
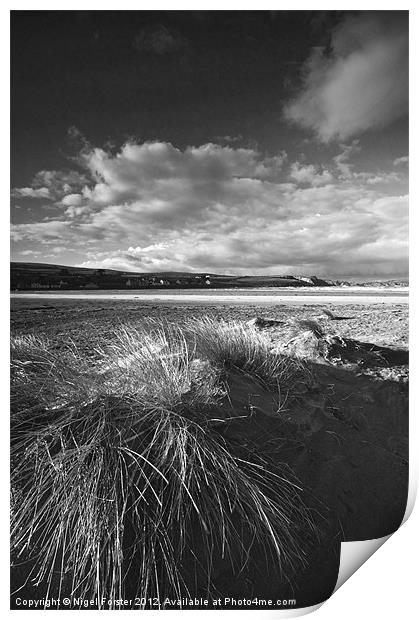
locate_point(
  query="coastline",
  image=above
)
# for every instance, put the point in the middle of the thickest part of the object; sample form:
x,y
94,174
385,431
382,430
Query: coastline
x,y
360,295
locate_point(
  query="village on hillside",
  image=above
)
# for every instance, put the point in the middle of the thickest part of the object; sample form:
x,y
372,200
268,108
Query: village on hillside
x,y
35,276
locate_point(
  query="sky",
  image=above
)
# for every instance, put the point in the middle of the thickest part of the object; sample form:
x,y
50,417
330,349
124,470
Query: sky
x,y
241,142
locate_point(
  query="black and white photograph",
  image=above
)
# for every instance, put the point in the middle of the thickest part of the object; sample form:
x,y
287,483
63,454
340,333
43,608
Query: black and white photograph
x,y
209,286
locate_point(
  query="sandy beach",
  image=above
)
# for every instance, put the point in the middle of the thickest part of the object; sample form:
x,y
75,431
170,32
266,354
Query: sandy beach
x,y
358,295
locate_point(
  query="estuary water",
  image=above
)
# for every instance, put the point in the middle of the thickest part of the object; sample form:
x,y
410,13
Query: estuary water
x,y
268,295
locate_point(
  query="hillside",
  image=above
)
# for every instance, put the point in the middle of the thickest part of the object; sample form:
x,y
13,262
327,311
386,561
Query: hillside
x,y
30,276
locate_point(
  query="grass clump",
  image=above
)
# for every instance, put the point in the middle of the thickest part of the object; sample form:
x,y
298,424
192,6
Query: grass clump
x,y
122,484
234,345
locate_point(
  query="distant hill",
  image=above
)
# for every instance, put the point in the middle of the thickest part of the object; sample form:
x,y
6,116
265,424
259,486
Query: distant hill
x,y
386,283
398,282
39,276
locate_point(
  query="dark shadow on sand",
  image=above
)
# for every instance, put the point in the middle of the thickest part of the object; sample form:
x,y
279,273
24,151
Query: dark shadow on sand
x,y
346,441
367,354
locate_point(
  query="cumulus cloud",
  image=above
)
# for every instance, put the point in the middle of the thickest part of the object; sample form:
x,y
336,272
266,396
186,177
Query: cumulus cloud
x,y
155,257
53,184
31,192
310,174
153,207
161,160
361,84
72,200
40,232
363,236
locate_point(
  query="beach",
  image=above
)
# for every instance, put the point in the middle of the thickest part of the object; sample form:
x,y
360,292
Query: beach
x,y
343,295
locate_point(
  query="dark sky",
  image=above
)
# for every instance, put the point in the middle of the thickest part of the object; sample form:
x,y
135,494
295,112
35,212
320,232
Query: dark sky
x,y
270,89
179,76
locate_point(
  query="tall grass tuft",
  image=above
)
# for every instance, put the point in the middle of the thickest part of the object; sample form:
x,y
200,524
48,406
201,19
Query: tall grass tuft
x,y
119,480
234,345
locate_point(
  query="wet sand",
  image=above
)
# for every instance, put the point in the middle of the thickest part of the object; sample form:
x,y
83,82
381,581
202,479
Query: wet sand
x,y
358,295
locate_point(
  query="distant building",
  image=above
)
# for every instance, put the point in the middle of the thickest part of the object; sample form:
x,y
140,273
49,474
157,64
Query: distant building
x,y
38,285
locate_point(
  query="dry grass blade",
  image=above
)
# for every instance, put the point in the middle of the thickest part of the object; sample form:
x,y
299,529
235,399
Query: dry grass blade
x,y
120,483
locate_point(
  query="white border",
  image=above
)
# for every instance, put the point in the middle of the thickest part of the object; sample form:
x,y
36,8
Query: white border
x,y
386,586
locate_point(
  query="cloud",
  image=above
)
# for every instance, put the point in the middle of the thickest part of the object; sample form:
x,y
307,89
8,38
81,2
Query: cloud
x,y
364,236
155,257
341,161
161,160
74,211
154,207
362,84
152,173
53,184
29,253
159,40
72,200
40,232
31,192
227,139
401,160
310,175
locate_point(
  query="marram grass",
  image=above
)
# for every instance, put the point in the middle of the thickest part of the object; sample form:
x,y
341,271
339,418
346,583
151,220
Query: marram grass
x,y
121,480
